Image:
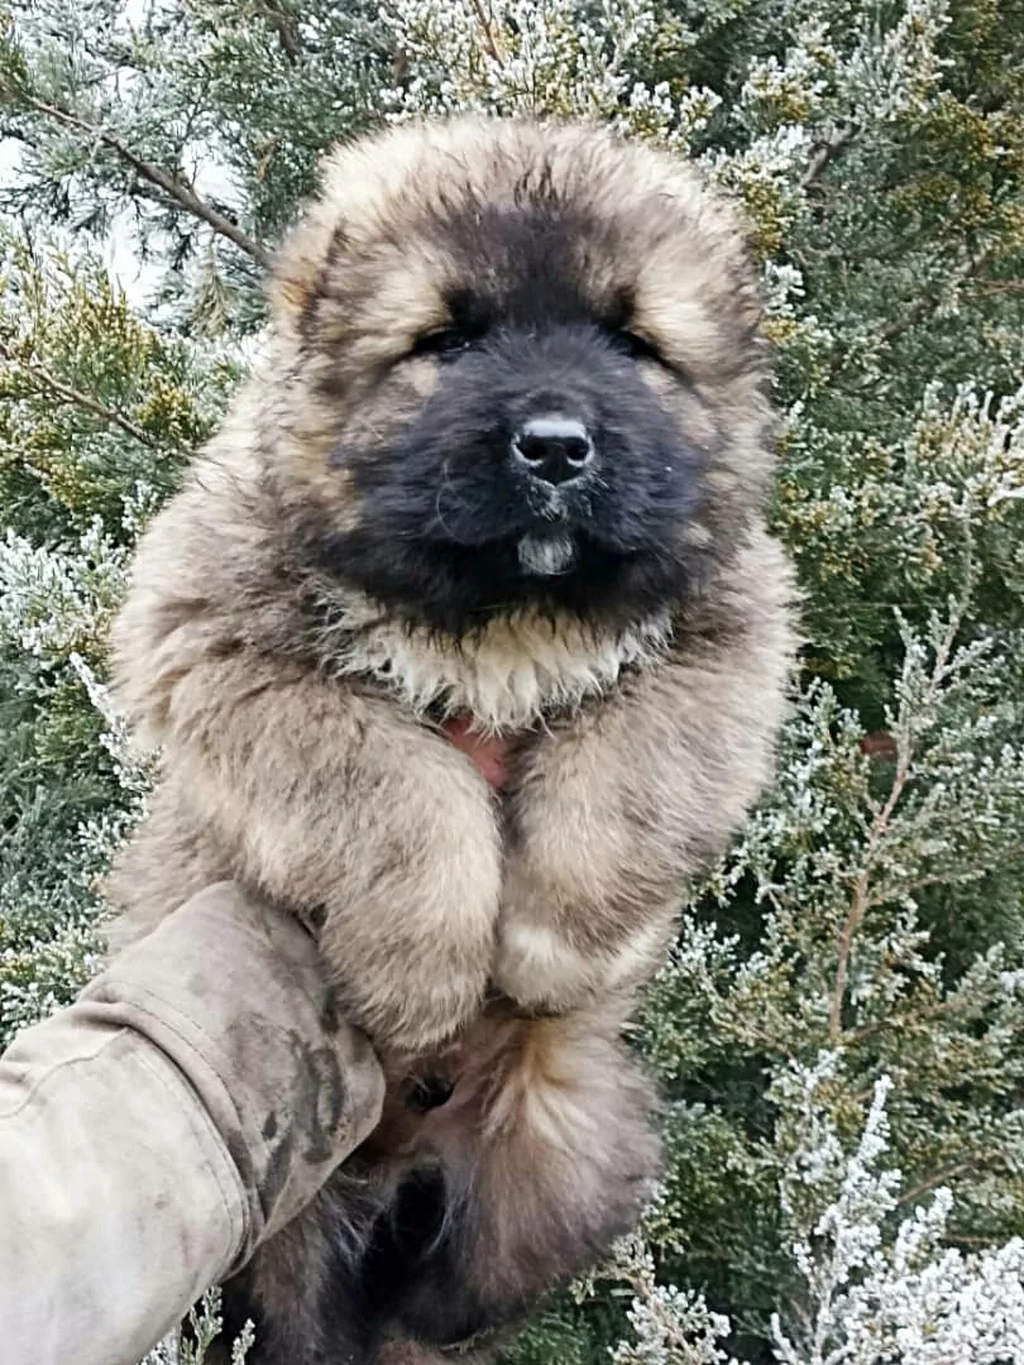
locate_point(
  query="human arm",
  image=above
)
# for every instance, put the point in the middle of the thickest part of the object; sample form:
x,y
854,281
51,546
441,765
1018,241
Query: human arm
x,y
186,1107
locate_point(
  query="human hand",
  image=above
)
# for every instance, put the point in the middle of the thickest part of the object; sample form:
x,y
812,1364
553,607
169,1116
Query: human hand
x,y
232,989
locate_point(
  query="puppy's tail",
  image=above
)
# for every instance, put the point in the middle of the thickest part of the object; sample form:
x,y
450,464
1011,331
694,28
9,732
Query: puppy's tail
x,y
547,1155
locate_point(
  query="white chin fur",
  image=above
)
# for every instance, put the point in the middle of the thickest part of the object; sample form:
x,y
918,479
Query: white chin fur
x,y
546,555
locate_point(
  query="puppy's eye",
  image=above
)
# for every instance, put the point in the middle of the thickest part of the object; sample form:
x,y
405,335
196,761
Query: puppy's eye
x,y
636,347
445,342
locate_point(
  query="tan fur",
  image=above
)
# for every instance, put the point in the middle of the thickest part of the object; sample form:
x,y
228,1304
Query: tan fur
x,y
298,757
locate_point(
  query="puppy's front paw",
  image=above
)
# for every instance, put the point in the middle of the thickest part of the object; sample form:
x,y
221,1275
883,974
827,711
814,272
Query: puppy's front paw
x,y
412,1002
540,966
540,969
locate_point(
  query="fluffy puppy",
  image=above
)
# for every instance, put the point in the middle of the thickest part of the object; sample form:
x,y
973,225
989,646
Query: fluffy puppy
x,y
504,460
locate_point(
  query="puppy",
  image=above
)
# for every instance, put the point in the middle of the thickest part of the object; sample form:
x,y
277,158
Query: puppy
x,y
504,464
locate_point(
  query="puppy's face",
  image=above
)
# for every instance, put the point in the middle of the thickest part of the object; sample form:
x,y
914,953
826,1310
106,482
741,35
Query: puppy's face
x,y
521,372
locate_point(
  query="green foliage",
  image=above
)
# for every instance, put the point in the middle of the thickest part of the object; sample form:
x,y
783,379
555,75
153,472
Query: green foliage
x,y
839,1030
98,412
200,1330
96,405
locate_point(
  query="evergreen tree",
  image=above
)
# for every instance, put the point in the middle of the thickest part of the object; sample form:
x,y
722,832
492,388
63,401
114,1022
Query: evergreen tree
x,y
840,1029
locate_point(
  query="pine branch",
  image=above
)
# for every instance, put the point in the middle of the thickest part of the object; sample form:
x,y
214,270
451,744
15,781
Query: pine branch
x,y
908,1019
49,381
861,901
826,153
180,190
938,1178
287,31
918,311
997,287
485,24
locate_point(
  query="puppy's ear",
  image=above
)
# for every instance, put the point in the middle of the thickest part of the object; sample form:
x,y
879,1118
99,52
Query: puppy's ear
x,y
301,265
351,177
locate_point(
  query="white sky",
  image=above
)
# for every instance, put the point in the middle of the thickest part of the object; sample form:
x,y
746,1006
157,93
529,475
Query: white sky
x,y
119,251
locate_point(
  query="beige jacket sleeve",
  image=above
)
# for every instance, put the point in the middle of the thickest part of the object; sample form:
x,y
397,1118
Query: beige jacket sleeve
x,y
189,1104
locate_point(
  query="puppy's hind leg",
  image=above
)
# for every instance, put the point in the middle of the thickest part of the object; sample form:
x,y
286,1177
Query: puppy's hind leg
x,y
541,1158
303,1290
548,1155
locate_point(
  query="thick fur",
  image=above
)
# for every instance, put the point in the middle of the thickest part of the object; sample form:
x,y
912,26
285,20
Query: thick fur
x,y
357,557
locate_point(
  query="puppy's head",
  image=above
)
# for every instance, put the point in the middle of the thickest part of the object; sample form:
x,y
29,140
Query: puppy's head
x,y
516,367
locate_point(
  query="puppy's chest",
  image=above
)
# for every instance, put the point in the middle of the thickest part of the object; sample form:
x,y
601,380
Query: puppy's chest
x,y
506,677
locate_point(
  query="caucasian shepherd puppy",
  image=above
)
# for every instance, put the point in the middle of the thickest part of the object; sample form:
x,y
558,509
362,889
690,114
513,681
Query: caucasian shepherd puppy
x,y
503,464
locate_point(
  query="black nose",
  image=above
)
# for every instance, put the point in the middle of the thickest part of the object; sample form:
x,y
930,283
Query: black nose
x,y
553,449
